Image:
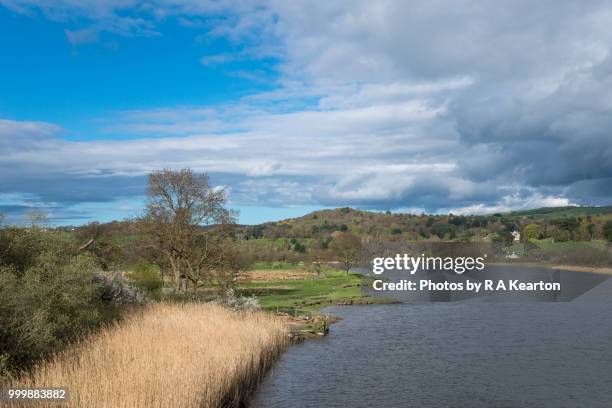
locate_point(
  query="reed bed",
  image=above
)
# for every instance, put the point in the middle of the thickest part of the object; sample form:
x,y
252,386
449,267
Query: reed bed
x,y
169,355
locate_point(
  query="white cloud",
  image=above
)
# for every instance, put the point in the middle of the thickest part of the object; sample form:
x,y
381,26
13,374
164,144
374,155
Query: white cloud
x,y
439,105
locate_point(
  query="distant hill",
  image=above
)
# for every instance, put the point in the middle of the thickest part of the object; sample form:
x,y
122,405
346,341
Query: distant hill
x,y
559,212
346,214
559,223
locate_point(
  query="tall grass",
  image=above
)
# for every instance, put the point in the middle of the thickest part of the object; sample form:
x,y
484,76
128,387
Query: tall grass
x,y
170,355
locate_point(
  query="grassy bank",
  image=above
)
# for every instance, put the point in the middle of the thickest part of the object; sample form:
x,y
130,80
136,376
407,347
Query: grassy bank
x,y
297,290
191,355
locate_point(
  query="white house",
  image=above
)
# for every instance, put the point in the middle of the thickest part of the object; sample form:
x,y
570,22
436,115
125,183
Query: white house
x,y
516,235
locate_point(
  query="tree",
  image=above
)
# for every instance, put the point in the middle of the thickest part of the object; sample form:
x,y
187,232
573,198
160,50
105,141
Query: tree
x,y
442,229
37,218
316,259
591,230
530,232
504,236
607,230
96,240
179,205
346,248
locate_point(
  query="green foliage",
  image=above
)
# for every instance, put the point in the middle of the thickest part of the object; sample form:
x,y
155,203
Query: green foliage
x,y
300,248
607,230
396,231
20,248
561,235
444,230
146,277
47,298
530,232
504,236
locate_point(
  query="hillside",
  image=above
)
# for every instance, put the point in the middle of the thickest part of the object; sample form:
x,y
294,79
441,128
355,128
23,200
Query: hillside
x,y
556,212
573,235
577,223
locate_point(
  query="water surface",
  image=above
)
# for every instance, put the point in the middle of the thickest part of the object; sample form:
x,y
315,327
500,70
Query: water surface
x,y
475,352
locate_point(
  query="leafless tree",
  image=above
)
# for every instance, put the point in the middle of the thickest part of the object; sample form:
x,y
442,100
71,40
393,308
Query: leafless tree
x,y
181,208
316,259
37,217
347,249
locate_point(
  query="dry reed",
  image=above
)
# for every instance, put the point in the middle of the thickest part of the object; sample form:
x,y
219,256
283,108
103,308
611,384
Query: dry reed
x,y
170,355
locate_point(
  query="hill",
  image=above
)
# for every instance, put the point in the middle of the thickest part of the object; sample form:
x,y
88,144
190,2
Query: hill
x,y
556,212
561,223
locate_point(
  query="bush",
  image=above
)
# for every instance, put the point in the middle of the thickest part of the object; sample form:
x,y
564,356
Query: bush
x,y
118,291
561,235
235,302
607,230
48,297
147,278
46,307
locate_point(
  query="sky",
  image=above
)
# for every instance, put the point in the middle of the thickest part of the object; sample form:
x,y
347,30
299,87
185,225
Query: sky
x,y
437,107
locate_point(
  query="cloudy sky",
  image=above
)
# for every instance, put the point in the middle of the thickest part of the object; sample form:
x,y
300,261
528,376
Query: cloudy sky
x,y
436,106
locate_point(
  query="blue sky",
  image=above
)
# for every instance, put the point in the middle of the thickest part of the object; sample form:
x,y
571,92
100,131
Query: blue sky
x,y
296,106
47,78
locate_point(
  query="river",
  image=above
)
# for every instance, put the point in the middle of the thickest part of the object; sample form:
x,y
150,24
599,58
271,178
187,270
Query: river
x,y
482,351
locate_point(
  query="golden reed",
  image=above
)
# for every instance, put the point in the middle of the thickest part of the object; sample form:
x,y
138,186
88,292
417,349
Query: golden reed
x,y
169,355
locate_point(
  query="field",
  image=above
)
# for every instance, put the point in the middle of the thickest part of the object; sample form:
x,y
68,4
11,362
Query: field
x,y
191,355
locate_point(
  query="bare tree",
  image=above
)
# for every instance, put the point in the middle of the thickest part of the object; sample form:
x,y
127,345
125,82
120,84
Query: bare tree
x,y
37,217
316,260
181,204
346,248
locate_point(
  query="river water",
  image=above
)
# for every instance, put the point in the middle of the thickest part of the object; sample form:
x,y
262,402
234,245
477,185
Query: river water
x,y
480,351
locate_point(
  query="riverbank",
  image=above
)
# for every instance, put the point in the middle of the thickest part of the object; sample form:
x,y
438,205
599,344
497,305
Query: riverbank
x,y
297,295
169,355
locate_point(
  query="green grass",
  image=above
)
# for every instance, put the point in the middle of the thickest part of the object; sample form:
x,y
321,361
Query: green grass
x,y
306,295
518,248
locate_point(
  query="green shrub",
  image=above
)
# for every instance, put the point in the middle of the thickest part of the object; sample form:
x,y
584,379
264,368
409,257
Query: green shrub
x,y
561,235
607,230
48,298
45,308
146,277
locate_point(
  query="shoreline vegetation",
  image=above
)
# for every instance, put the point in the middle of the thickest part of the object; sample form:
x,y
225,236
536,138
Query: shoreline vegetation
x,y
168,355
